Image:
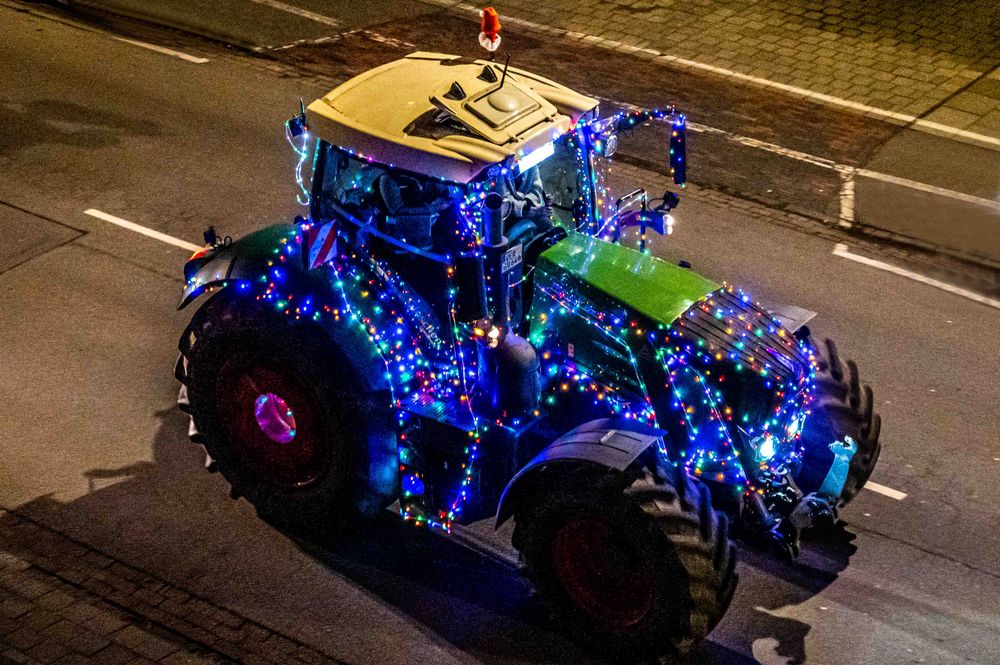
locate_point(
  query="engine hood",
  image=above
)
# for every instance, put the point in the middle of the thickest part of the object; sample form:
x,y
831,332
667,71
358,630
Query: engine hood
x,y
655,289
721,372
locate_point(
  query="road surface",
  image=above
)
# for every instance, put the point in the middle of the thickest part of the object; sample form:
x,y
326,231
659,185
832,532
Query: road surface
x,y
95,451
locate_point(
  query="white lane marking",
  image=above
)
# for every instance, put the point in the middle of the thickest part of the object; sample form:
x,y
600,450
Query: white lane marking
x,y
885,491
841,250
825,163
797,155
151,233
812,95
164,50
390,41
846,200
298,11
373,36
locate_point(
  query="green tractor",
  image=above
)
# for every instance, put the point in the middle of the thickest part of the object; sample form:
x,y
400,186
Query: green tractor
x,y
456,331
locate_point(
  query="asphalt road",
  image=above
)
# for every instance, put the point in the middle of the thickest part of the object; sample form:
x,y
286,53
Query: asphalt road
x,y
93,446
813,146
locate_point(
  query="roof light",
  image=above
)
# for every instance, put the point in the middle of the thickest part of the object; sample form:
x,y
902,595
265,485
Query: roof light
x,y
535,157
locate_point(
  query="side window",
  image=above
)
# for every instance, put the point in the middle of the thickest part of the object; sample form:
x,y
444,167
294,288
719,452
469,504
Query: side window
x,y
404,205
348,182
355,185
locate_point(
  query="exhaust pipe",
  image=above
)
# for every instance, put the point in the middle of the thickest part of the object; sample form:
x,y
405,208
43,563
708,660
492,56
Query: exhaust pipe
x,y
493,219
494,249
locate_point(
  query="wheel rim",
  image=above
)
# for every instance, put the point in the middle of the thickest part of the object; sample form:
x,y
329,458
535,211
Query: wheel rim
x,y
273,422
603,574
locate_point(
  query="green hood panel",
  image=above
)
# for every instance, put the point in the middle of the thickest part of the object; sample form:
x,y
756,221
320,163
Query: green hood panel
x,y
645,284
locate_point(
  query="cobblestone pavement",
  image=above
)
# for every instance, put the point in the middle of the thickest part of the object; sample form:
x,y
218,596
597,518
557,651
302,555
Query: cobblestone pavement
x,y
65,603
936,61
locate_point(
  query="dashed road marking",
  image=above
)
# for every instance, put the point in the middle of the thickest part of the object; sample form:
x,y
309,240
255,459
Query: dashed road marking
x,y
164,50
373,36
296,43
668,59
842,251
885,491
138,228
298,11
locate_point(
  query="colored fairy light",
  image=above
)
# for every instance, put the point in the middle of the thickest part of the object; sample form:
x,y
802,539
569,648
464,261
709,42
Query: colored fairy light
x,y
431,360
300,144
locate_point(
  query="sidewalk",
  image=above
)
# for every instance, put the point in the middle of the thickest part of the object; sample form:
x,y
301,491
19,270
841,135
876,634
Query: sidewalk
x,y
62,602
935,61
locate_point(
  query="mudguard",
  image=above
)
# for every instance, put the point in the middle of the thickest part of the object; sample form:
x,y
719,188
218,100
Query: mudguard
x,y
791,317
256,259
610,442
243,260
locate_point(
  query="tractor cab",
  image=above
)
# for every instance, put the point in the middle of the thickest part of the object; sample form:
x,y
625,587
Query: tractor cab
x,y
449,131
409,178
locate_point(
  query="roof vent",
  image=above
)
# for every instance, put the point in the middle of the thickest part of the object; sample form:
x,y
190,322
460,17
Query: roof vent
x,y
489,75
455,92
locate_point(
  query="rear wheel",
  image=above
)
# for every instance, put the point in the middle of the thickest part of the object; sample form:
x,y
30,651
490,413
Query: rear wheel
x,y
285,423
633,565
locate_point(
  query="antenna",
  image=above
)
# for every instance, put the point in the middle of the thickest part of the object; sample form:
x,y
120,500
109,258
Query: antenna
x,y
505,65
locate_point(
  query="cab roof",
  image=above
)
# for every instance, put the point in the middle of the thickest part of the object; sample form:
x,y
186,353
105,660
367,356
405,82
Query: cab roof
x,y
445,116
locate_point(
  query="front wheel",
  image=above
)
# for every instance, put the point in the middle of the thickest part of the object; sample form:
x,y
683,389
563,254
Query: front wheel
x,y
632,565
843,407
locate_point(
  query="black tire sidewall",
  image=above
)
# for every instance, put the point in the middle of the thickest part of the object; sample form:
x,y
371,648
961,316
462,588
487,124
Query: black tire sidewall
x,y
669,617
228,330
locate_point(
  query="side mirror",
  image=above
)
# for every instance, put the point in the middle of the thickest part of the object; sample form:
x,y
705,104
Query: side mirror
x,y
657,220
297,125
678,150
669,202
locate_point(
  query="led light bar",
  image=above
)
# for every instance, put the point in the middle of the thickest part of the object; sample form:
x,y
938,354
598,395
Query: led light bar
x,y
535,157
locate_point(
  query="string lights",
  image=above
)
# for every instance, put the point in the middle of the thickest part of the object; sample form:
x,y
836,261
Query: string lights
x,y
706,358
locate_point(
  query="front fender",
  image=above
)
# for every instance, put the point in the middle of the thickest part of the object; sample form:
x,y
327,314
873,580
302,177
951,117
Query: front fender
x,y
613,443
245,260
791,317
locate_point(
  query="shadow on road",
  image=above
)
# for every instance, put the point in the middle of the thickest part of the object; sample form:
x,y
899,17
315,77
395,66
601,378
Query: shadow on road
x,y
61,122
170,517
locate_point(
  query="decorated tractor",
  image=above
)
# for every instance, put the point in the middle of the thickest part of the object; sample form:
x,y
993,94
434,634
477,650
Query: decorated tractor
x,y
457,331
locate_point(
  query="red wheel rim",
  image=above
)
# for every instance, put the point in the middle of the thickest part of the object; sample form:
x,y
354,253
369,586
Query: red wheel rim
x,y
603,574
273,422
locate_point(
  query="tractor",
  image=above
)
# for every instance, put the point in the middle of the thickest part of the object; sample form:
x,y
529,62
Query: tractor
x,y
460,329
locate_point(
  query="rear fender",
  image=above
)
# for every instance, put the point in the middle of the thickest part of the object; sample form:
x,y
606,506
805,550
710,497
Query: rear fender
x,y
251,259
613,443
252,262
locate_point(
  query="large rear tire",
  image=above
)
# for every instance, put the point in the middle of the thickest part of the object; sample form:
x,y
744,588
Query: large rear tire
x,y
843,407
632,565
282,416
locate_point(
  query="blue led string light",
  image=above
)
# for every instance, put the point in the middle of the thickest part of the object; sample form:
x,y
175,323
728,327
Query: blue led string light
x,y
299,140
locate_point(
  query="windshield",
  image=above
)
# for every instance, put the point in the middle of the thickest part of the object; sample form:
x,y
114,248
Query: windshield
x,y
551,187
564,181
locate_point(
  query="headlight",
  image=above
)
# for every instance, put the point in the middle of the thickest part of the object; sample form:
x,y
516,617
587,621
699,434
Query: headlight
x,y
764,445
